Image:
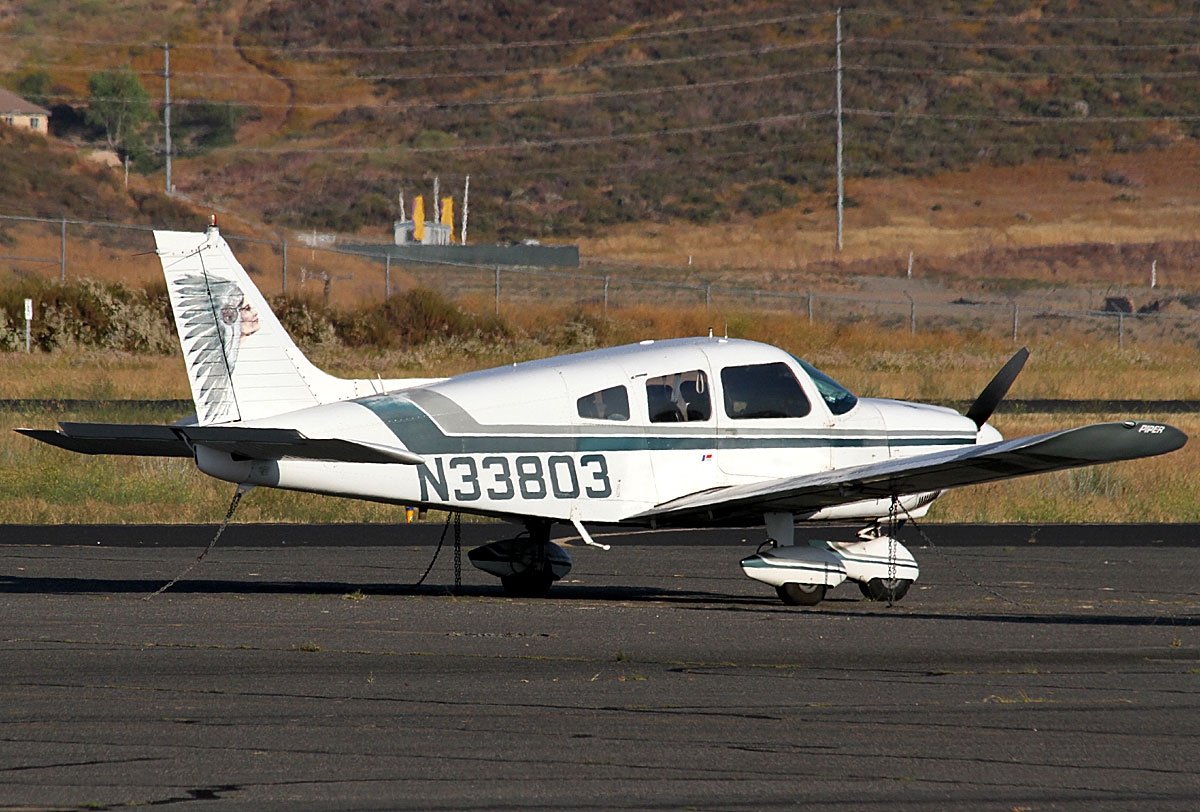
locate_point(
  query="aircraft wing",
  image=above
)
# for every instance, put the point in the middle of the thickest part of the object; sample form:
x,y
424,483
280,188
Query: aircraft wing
x,y
1088,445
244,442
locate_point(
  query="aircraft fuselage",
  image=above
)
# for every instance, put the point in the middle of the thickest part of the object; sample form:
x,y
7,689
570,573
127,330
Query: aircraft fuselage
x,y
603,436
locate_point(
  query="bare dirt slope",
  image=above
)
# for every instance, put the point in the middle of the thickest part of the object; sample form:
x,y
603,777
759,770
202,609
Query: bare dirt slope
x,y
1099,219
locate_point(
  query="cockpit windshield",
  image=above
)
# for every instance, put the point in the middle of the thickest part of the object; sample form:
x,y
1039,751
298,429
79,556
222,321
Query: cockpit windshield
x,y
837,397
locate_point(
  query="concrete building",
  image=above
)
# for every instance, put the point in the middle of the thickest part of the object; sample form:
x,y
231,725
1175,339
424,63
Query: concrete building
x,y
405,232
23,114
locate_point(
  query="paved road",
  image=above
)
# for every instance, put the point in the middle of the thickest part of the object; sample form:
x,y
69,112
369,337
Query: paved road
x,y
1029,676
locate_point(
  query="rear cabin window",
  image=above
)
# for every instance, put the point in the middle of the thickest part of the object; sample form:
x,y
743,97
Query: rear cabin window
x,y
607,404
678,398
761,391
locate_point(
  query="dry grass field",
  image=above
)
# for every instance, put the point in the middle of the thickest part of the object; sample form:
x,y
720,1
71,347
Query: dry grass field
x,y
933,366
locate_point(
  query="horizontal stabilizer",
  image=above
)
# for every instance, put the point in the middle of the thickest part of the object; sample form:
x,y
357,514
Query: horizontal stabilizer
x,y
129,439
242,442
1072,448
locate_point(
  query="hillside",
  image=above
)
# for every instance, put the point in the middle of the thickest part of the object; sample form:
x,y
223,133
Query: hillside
x,y
42,178
586,120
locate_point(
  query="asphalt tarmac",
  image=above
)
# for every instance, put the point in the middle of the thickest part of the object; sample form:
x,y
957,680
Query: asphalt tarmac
x,y
1037,672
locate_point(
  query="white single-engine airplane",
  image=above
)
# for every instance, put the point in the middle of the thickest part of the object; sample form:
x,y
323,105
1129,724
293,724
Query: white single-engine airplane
x,y
678,433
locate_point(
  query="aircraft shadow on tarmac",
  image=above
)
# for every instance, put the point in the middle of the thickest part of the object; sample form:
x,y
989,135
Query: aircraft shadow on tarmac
x,y
684,599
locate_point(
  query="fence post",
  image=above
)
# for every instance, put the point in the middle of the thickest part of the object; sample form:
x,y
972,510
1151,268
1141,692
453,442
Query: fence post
x,y
810,300
606,278
497,290
912,314
62,261
387,276
707,295
1120,329
283,242
1016,320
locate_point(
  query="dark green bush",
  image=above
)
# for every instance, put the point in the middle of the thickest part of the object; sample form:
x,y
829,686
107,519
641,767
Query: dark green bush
x,y
414,317
87,313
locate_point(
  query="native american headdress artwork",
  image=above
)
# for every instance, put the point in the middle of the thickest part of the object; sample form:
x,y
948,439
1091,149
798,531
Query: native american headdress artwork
x,y
213,320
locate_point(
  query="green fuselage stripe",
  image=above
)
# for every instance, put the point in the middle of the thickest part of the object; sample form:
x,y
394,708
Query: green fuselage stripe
x,y
421,435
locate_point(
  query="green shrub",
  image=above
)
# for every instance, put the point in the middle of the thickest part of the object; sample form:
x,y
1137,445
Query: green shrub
x,y
417,316
307,319
87,313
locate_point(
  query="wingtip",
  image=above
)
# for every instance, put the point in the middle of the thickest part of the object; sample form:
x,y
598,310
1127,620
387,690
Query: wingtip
x,y
1166,437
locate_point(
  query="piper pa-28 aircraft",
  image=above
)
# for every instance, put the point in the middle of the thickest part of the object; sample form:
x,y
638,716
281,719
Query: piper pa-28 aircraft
x,y
676,433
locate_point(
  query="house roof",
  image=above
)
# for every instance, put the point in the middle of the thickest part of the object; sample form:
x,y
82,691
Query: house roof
x,y
11,103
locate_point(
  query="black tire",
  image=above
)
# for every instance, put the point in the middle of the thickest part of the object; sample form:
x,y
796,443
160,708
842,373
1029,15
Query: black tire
x,y
527,585
801,594
878,589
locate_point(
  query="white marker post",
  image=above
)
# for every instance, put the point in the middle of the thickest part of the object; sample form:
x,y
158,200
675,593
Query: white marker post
x,y
28,321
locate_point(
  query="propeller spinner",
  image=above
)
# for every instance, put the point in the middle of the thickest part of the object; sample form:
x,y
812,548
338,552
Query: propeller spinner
x,y
995,391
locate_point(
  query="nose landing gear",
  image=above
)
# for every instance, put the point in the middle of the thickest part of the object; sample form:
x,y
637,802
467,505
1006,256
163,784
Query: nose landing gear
x,y
882,567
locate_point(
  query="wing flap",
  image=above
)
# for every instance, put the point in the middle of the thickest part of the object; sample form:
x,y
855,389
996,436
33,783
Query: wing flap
x,y
1087,445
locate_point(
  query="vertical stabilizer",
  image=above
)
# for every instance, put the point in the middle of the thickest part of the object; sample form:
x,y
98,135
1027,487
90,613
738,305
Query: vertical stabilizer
x,y
241,363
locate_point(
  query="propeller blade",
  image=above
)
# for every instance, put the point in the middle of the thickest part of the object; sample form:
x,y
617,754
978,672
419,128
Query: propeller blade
x,y
995,391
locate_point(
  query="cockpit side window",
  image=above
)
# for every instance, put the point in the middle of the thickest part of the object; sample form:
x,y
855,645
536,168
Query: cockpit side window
x,y
763,391
607,404
837,397
679,398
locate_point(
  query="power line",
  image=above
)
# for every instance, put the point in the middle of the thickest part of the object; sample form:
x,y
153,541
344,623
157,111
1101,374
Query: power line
x,y
1043,19
1014,119
590,168
1020,46
433,104
758,51
462,46
1000,74
564,43
584,140
608,94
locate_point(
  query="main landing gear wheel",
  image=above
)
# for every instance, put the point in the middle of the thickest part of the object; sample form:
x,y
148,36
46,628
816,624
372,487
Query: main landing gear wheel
x,y
527,584
884,589
801,594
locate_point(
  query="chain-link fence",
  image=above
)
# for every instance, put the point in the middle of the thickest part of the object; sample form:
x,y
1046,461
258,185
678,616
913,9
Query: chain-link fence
x,y
303,265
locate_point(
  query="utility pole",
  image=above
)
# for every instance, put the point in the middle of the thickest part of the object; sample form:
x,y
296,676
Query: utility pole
x,y
167,109
841,184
